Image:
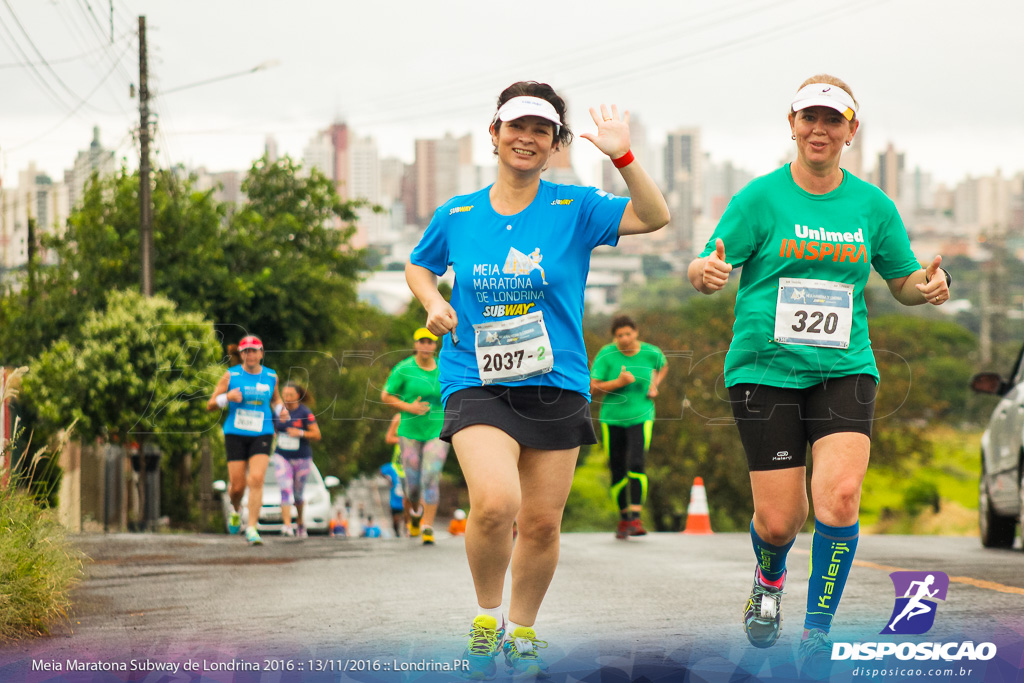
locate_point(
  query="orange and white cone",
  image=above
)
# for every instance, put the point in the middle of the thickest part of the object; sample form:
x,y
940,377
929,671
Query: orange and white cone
x,y
698,520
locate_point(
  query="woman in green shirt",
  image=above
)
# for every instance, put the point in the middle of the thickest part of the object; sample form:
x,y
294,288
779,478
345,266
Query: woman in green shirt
x,y
628,371
413,388
800,368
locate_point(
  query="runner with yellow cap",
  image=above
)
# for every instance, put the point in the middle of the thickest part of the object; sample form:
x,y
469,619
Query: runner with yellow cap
x,y
414,389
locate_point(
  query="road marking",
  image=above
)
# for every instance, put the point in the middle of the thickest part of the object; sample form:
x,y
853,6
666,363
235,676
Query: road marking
x,y
977,583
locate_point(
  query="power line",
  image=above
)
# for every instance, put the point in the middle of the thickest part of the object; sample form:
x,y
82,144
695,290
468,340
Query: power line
x,y
97,30
84,41
636,71
70,114
47,64
590,57
33,70
61,60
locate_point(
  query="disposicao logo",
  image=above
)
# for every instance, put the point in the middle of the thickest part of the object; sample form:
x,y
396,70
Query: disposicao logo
x,y
916,596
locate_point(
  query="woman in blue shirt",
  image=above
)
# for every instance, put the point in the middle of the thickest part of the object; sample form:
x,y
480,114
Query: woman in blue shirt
x,y
249,392
514,375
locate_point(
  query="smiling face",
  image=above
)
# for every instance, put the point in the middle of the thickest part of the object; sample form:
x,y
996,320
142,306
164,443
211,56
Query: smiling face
x,y
821,133
524,144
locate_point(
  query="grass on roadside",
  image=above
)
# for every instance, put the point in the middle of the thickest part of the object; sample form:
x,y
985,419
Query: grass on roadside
x,y
905,501
38,565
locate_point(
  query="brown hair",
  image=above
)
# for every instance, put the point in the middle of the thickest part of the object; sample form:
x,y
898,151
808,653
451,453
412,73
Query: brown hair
x,y
544,92
830,80
234,355
622,321
305,397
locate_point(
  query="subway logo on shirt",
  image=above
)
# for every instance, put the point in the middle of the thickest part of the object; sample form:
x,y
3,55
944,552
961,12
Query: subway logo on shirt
x,y
824,244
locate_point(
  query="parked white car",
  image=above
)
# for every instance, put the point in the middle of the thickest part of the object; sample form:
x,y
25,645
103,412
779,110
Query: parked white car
x,y
316,511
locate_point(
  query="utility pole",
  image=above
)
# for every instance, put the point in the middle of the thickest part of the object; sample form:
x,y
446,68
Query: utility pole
x,y
145,203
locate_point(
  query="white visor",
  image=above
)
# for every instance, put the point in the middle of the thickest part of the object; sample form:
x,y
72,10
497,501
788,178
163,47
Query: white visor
x,y
525,105
825,95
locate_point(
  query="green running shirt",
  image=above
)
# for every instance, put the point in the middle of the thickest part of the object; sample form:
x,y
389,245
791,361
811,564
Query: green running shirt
x,y
628,405
774,229
407,381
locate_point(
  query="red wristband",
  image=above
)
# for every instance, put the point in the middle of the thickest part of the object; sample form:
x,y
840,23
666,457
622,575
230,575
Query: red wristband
x,y
625,160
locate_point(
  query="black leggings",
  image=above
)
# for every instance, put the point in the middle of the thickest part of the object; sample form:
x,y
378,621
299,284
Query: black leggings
x,y
627,448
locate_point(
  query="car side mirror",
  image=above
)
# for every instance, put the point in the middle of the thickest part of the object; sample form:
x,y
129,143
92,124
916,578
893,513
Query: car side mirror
x,y
989,383
219,486
331,481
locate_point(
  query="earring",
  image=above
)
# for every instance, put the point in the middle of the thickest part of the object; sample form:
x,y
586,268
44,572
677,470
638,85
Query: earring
x,y
793,137
847,143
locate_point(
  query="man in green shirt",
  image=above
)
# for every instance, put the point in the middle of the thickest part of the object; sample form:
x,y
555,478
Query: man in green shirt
x,y
629,372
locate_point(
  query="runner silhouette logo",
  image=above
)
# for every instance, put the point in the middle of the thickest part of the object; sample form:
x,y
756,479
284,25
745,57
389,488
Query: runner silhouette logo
x,y
916,595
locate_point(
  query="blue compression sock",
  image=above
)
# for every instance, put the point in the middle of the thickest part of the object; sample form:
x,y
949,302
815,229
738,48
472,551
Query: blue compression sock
x,y
770,558
832,551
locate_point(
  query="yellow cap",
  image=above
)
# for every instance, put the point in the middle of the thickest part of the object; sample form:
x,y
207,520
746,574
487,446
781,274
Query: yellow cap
x,y
423,333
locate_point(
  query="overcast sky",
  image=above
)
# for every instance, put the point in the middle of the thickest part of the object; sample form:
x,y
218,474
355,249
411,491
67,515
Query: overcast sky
x,y
940,79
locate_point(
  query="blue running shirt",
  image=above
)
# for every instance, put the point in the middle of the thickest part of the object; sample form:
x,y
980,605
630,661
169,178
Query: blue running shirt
x,y
251,417
510,266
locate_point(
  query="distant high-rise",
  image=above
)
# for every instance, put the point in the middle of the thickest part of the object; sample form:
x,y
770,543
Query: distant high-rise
x,y
683,162
96,159
36,197
890,172
364,183
684,183
438,172
270,149
328,151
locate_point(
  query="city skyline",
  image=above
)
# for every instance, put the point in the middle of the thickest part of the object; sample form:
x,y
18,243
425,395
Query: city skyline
x,y
921,71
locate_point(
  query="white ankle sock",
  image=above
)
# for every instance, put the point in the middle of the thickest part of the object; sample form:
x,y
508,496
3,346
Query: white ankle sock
x,y
492,612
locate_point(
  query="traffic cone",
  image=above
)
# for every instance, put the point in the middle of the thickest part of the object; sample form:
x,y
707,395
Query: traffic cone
x,y
697,519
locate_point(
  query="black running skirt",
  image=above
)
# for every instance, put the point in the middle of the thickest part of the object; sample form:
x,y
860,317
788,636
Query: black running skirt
x,y
545,418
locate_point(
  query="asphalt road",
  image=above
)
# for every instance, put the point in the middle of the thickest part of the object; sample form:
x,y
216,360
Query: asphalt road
x,y
663,605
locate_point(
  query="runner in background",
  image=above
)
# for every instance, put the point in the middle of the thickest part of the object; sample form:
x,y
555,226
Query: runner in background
x,y
629,372
293,455
392,471
250,393
413,389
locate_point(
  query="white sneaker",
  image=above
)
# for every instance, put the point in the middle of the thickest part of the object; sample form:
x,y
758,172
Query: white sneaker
x,y
301,532
287,530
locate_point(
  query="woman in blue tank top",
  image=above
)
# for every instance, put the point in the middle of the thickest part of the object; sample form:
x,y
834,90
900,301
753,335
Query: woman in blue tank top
x,y
250,393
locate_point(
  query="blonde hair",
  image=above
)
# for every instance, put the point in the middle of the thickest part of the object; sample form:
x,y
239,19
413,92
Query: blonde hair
x,y
830,80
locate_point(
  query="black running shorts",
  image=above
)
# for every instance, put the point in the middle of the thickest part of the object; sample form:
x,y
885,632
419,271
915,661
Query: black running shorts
x,y
545,418
238,447
777,424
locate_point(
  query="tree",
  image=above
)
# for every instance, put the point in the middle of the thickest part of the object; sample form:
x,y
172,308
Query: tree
x,y
281,267
140,371
293,270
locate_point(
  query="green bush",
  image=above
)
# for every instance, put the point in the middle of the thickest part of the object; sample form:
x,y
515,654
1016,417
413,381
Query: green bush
x,y
38,566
